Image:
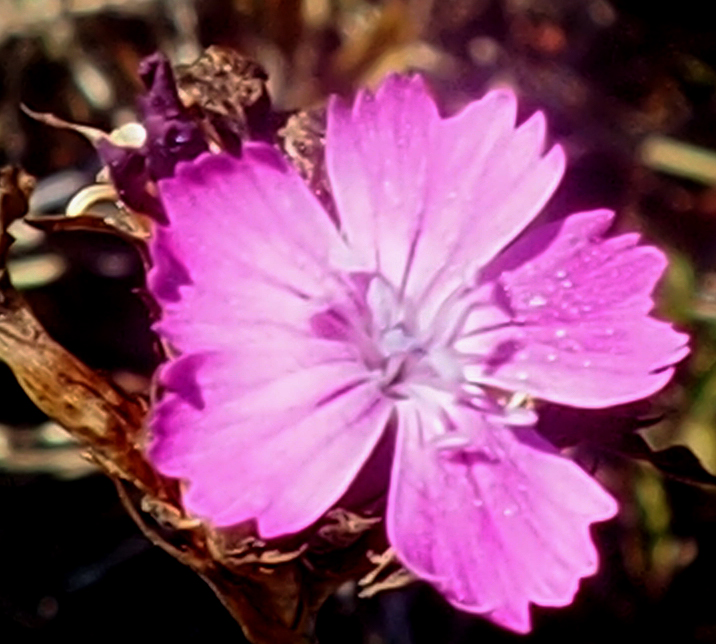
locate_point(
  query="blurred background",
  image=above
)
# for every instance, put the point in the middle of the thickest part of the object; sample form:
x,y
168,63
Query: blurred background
x,y
629,87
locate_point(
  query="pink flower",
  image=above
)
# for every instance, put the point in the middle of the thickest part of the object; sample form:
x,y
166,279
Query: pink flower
x,y
302,342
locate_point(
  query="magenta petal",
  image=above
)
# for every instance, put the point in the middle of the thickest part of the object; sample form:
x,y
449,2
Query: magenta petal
x,y
264,418
244,266
252,215
426,200
497,527
581,333
377,160
282,455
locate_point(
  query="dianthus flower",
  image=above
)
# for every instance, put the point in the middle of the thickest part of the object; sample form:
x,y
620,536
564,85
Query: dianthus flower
x,y
426,311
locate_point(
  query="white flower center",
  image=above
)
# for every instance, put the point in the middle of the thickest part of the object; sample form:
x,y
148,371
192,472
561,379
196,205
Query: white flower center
x,y
408,355
413,358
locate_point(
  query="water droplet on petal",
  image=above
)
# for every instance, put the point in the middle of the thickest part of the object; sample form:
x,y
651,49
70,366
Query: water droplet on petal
x,y
567,283
561,274
551,357
509,511
587,363
537,300
478,503
560,333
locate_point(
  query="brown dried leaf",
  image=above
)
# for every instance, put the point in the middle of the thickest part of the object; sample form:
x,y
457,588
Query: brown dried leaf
x,y
89,406
85,403
303,139
90,133
344,528
166,514
129,226
387,574
396,579
228,91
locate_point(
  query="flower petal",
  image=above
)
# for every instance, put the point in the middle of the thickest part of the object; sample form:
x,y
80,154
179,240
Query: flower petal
x,y
264,419
497,527
579,332
282,455
426,200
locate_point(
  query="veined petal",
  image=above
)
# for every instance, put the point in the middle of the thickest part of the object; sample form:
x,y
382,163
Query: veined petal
x,y
254,247
251,218
377,160
264,419
426,200
494,527
282,455
580,331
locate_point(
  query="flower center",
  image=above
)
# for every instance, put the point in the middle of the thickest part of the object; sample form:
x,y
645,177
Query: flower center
x,y
413,355
383,326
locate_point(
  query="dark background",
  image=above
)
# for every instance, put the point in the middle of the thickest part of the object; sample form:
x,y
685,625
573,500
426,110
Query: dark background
x,y
615,78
